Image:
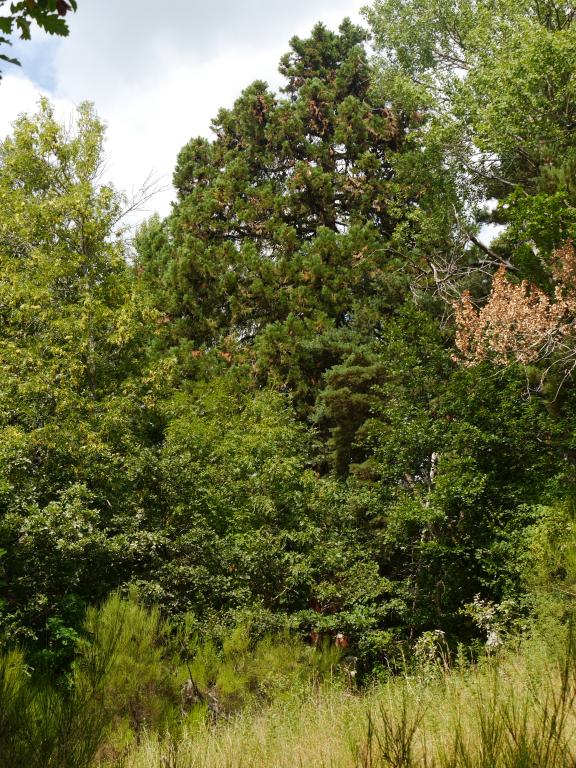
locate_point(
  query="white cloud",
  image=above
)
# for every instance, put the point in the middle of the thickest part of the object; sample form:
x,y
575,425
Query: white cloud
x,y
19,95
114,44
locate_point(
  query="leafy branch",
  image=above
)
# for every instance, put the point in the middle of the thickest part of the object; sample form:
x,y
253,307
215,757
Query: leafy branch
x,y
49,15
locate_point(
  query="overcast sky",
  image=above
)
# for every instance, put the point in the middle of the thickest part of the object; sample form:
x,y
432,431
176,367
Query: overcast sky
x,y
159,71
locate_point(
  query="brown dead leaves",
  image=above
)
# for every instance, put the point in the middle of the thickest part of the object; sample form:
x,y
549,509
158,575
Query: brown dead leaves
x,y
520,321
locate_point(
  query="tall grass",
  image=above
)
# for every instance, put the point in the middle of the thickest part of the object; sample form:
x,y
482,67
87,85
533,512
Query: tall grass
x,y
144,694
516,711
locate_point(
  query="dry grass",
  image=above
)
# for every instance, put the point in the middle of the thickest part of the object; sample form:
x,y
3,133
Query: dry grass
x,y
515,712
318,730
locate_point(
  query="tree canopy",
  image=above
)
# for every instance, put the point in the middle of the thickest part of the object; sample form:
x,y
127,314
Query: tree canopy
x,y
310,395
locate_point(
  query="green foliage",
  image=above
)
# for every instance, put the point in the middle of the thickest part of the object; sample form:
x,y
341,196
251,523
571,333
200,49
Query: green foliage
x,y
243,670
502,79
257,421
141,683
77,419
44,725
548,566
135,672
119,674
512,709
249,524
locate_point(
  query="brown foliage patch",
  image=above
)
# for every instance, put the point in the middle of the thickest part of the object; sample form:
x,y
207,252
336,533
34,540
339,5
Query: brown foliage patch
x,y
520,321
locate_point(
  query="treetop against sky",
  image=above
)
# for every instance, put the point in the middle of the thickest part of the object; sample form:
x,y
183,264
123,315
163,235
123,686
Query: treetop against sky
x,y
164,74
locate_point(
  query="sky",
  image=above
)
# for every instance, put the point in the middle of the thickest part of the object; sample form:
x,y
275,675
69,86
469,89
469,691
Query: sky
x,y
158,72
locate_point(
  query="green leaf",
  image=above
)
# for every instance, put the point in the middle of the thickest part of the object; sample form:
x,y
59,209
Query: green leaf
x,y
24,27
54,25
9,59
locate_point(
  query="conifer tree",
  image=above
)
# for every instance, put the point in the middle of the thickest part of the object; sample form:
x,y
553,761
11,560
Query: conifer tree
x,y
283,220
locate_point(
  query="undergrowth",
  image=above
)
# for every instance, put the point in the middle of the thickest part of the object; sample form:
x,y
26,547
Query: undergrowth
x,y
144,693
